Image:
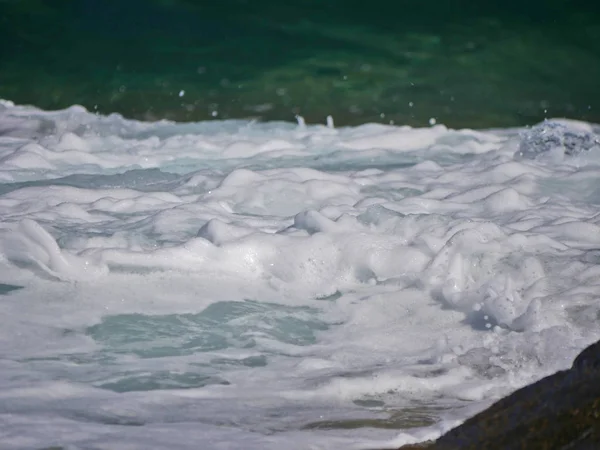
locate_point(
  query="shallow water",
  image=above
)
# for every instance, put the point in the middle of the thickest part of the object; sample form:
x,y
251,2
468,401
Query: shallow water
x,y
237,284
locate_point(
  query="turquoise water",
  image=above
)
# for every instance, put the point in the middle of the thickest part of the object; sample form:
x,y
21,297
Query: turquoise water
x,y
221,326
461,62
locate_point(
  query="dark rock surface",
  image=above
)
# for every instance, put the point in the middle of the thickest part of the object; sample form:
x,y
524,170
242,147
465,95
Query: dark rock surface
x,y
561,411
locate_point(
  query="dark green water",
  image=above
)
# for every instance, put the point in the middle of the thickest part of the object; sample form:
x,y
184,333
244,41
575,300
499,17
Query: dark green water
x,y
464,62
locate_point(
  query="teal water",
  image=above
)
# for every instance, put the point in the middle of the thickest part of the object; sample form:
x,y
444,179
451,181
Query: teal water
x,y
223,325
219,326
461,62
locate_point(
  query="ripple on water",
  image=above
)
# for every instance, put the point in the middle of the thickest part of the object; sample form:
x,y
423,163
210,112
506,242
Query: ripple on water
x,y
221,326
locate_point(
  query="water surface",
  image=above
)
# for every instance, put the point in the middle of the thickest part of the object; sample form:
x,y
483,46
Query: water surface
x,y
460,62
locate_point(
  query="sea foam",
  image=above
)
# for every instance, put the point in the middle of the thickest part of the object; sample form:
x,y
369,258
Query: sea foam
x,y
253,285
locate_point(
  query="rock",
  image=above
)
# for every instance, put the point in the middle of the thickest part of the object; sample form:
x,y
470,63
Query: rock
x,y
588,359
561,411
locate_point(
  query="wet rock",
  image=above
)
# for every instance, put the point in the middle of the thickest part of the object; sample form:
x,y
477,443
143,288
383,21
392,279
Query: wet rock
x,y
561,411
588,359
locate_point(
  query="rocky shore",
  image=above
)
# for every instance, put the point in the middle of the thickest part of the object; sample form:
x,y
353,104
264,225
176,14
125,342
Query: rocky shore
x,y
559,412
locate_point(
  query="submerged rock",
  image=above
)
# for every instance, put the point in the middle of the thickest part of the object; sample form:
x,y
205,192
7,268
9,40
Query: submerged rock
x,y
561,411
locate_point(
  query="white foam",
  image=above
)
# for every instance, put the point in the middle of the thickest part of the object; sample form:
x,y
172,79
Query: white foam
x,y
251,279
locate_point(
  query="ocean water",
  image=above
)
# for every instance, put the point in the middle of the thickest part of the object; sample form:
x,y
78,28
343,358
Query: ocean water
x,y
467,63
236,284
